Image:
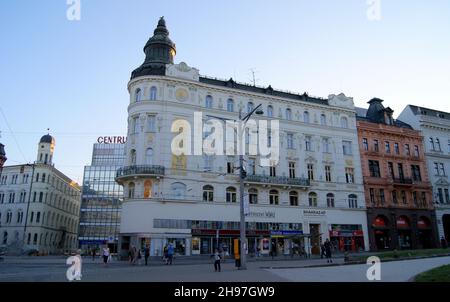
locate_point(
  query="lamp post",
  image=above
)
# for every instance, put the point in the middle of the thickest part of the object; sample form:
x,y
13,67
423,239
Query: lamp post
x,y
242,122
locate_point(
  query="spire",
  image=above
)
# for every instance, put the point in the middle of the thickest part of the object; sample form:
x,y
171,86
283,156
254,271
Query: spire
x,y
159,51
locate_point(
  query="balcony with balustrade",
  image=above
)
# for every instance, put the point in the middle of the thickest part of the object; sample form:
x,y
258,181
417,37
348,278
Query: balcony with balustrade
x,y
281,181
131,172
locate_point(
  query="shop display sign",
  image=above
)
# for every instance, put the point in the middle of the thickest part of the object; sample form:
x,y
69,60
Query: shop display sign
x,y
314,212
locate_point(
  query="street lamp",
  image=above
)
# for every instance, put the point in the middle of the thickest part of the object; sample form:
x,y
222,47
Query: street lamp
x,y
242,121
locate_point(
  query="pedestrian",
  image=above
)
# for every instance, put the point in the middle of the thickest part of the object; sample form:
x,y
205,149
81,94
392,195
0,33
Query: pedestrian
x,y
327,246
217,258
444,244
105,255
146,254
135,255
322,251
93,254
130,255
165,255
170,251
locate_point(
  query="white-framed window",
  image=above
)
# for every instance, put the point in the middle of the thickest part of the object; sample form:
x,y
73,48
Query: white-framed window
x,y
231,194
178,190
208,101
326,145
293,198
251,170
133,157
328,173
349,175
438,144
153,91
344,122
135,124
292,169
270,112
138,95
310,168
151,123
230,105
253,196
330,200
290,141
288,114
323,119
149,156
208,193
273,197
312,199
352,201
306,117
347,147
308,143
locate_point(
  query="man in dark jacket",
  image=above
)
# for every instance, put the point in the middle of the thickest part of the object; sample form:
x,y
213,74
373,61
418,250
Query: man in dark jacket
x,y
327,246
146,253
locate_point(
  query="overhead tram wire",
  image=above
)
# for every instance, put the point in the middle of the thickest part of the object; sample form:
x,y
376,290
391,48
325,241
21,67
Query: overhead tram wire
x,y
12,134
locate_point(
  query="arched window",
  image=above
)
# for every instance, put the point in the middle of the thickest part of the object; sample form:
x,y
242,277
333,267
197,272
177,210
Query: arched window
x,y
293,198
231,194
149,156
323,119
253,196
148,189
178,190
19,216
270,111
208,193
35,237
352,201
133,157
273,197
330,200
208,101
306,117
153,91
344,122
138,95
230,105
250,107
312,198
131,187
289,114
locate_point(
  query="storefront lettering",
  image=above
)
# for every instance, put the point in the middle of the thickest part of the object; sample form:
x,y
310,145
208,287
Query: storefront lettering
x,y
266,214
314,212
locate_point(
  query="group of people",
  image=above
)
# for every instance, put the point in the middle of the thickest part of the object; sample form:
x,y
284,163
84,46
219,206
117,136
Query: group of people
x,y
168,254
135,255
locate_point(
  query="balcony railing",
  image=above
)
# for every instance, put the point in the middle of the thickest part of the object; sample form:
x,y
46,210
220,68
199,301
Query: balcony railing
x,y
277,180
140,170
402,181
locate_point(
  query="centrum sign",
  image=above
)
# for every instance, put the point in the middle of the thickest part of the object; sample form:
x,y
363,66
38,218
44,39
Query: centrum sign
x,y
111,140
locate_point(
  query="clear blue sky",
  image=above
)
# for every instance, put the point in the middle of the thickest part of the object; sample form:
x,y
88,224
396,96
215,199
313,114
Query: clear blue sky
x,y
71,77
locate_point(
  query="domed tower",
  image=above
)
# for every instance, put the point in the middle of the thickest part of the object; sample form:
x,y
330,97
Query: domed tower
x,y
46,148
159,51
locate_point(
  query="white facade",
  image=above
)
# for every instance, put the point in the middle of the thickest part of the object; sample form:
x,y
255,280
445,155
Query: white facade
x,y
39,206
435,128
313,133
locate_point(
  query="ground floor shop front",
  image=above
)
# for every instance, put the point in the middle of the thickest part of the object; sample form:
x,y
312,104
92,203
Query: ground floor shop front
x,y
270,232
402,229
443,222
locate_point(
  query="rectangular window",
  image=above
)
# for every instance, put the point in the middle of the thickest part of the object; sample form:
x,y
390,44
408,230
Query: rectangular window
x,y
350,175
436,168
424,199
135,125
391,169
415,171
372,196
310,171
326,145
365,144
382,197
290,141
291,169
447,196
273,171
376,147
438,145
414,196
394,197
251,166
387,147
308,146
374,168
442,169
416,151
151,123
328,173
431,143
440,196
396,148
404,199
347,147
230,166
407,150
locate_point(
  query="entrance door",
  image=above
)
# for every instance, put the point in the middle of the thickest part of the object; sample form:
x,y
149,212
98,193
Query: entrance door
x,y
382,239
446,223
314,230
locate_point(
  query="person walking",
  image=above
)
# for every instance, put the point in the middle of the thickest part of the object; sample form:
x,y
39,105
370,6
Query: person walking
x,y
165,255
170,251
217,258
146,253
327,246
135,255
105,255
93,254
322,251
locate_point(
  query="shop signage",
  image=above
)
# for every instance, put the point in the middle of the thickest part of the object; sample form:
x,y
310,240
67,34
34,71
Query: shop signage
x,y
314,212
111,140
287,232
265,214
213,232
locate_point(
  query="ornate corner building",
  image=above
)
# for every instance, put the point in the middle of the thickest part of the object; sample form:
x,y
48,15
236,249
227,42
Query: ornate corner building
x,y
398,193
313,193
